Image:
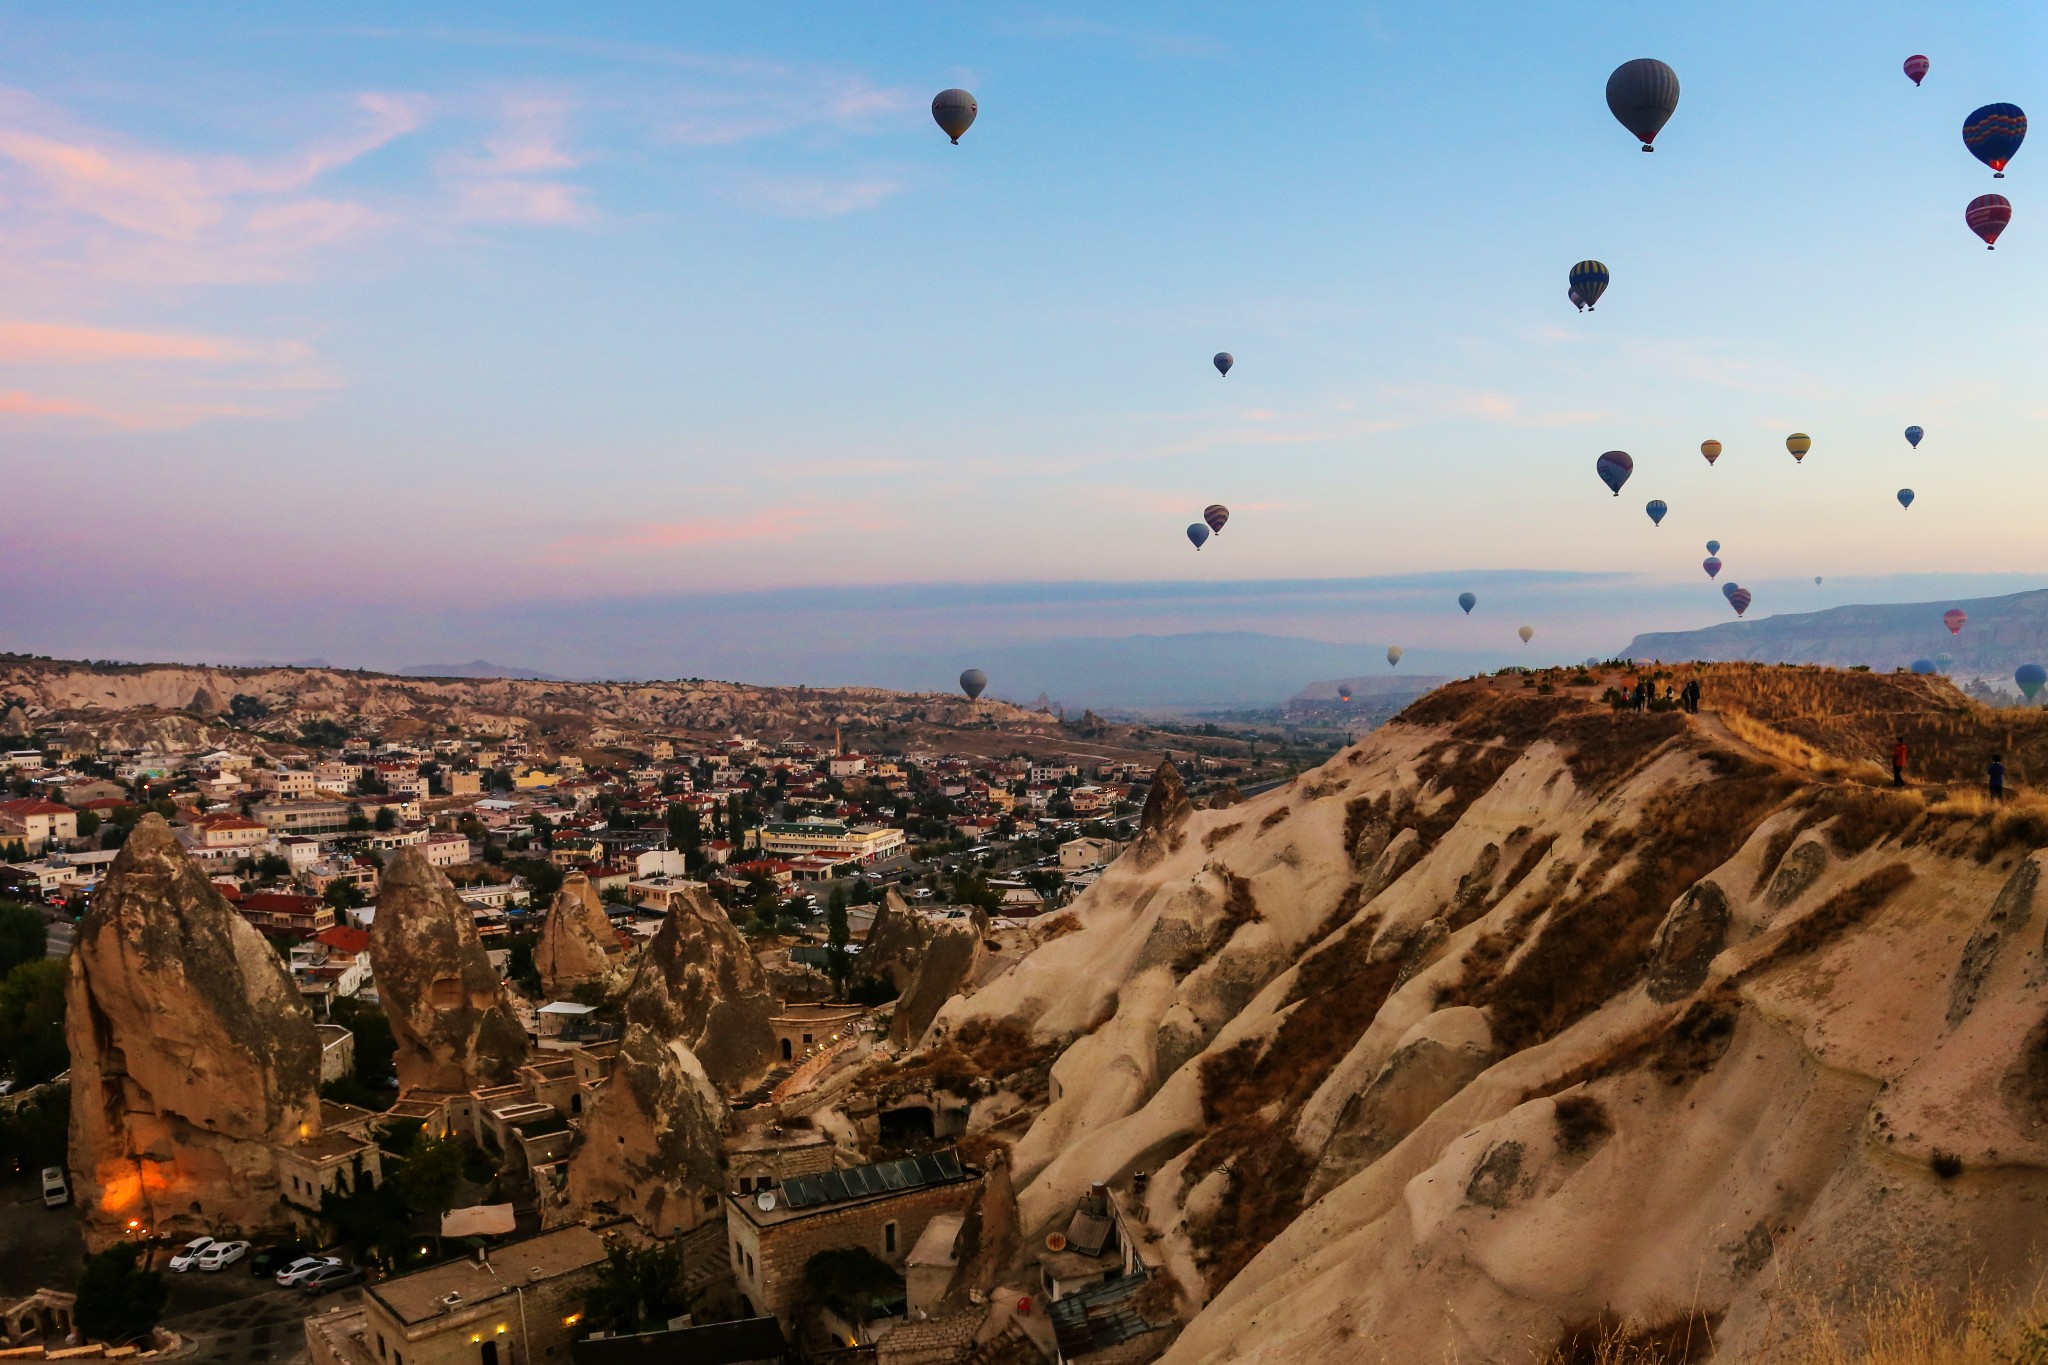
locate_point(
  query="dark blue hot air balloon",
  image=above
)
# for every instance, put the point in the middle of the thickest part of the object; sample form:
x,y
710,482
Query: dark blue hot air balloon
x,y
1994,134
1614,468
1924,666
1588,283
1468,601
1198,532
1656,509
1223,361
1643,94
1913,435
1730,588
1713,547
2030,677
1905,497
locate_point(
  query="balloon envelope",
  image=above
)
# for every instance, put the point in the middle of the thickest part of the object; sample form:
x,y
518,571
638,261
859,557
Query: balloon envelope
x,y
1944,662
1589,281
1924,666
1798,443
1905,497
1223,361
1730,588
1816,580
1988,215
1527,633
1656,509
1740,600
1614,468
954,111
1198,532
1711,449
1711,565
1955,618
1394,654
1343,694
1216,514
972,681
1576,299
1913,435
1713,547
1993,134
1468,601
1642,95
1916,67
2030,677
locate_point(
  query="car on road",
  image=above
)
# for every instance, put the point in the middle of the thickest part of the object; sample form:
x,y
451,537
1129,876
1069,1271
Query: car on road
x,y
56,1193
221,1255
188,1255
271,1259
331,1277
297,1271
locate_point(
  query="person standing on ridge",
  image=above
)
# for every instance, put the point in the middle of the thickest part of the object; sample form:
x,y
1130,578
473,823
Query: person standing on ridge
x,y
1898,762
1997,777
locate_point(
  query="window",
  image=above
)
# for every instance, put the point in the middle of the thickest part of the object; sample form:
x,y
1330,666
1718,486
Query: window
x,y
380,1346
888,1237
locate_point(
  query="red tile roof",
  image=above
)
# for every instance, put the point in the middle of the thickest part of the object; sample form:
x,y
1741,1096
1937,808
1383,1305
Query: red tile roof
x,y
345,938
33,805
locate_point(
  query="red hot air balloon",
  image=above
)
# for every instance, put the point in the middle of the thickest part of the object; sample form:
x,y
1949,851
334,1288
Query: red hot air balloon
x,y
1916,67
1739,599
1711,565
1954,618
1988,215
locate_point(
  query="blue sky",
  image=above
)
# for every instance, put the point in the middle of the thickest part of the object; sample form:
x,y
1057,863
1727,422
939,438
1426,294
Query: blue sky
x,y
485,309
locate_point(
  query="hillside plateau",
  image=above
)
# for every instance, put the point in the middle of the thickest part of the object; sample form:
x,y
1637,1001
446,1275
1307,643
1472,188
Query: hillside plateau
x,y
1529,1021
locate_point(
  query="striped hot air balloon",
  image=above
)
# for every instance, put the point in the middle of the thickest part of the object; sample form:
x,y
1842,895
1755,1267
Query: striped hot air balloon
x,y
1589,281
1740,600
1798,443
1994,133
1711,449
1216,514
1955,618
1655,509
1988,215
1614,467
1916,67
1711,565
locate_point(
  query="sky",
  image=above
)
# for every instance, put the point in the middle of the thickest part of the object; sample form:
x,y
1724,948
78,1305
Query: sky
x,y
614,340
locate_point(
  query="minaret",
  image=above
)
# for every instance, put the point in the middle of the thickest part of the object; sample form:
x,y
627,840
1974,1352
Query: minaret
x,y
838,747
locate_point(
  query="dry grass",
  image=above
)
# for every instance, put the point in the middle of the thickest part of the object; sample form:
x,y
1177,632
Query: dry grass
x,y
1848,907
1218,835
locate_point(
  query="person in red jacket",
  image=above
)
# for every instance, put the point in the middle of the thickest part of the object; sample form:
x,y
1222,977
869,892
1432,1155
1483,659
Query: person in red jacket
x,y
1899,763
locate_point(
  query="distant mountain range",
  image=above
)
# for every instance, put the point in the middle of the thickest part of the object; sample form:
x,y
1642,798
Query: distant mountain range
x,y
2001,634
476,668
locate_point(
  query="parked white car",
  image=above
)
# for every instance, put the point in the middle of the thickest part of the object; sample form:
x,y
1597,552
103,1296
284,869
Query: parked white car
x,y
222,1254
188,1255
298,1270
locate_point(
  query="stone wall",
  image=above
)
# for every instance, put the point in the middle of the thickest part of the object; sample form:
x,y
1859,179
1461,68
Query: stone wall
x,y
768,1262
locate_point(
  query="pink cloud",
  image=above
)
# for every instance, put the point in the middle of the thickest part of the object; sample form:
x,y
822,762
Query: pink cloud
x,y
814,196
513,179
142,417
778,525
46,343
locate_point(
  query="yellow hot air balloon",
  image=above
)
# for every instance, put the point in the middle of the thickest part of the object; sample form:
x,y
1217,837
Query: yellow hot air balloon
x,y
1798,443
1527,633
1711,449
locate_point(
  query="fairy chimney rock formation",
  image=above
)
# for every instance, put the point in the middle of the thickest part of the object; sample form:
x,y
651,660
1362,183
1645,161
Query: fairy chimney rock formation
x,y
192,1055
649,1147
700,985
1167,809
454,1027
579,946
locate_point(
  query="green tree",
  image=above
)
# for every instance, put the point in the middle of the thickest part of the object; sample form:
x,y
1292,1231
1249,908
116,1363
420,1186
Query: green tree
x,y
375,1047
32,1043
119,1301
37,1131
88,823
343,895
387,820
357,821
23,937
637,1287
685,831
271,866
430,1174
837,935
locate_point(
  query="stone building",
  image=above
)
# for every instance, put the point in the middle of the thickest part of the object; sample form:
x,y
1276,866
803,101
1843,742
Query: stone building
x,y
521,1306
772,1235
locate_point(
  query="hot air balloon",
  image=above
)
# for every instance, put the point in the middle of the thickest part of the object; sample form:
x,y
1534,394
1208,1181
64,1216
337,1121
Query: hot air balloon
x,y
1527,633
1577,300
1798,443
972,681
1740,600
1713,547
1924,666
2030,677
1944,662
1656,509
1216,514
1816,580
1614,468
1198,532
1642,94
1468,601
1955,618
1913,435
1343,692
1730,588
1589,282
1394,655
1711,449
1988,215
1223,361
1905,497
1994,134
954,111
1711,565
1916,67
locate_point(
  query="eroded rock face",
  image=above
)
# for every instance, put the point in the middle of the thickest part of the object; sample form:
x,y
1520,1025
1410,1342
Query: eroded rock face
x,y
699,984
191,1054
454,1027
650,1142
578,947
950,962
1166,813
896,942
